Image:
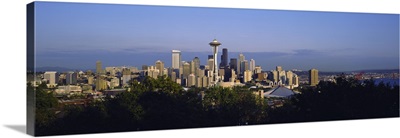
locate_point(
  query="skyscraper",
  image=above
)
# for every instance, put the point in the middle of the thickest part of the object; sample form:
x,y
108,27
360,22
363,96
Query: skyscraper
x,y
279,68
252,66
186,70
210,57
313,77
71,78
191,80
240,68
196,61
244,65
160,67
99,69
233,64
224,58
176,59
51,77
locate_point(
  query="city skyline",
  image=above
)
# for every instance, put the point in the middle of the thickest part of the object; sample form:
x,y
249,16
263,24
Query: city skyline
x,y
80,35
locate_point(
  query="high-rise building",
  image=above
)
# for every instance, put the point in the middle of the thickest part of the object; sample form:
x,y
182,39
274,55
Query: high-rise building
x,y
247,76
114,82
176,59
244,66
99,69
173,76
101,83
192,67
196,62
90,80
186,70
191,80
210,64
252,66
257,69
71,78
313,77
210,57
160,67
279,68
153,72
126,76
240,68
275,76
233,64
224,58
289,78
51,77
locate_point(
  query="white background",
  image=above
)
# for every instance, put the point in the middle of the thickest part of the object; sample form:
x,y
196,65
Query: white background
x,y
13,79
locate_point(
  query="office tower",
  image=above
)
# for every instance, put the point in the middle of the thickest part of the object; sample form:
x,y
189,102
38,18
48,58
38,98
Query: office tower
x,y
279,68
153,72
210,64
244,66
99,69
282,77
262,76
186,70
71,78
252,66
240,68
227,74
114,82
247,76
210,57
173,76
289,78
192,67
221,74
126,76
257,69
191,80
176,59
90,80
199,82
214,44
233,64
200,73
51,77
196,62
101,83
275,76
205,81
295,80
233,76
313,77
160,67
224,58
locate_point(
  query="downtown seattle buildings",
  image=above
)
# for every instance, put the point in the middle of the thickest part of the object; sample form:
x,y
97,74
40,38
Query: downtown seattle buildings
x,y
235,72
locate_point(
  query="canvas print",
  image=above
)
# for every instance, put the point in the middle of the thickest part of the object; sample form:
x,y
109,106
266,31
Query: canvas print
x,y
94,68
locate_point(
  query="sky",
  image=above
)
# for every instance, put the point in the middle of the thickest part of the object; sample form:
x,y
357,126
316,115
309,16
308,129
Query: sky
x,y
76,35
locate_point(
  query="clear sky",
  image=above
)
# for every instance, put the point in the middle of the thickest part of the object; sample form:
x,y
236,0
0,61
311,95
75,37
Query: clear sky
x,y
75,36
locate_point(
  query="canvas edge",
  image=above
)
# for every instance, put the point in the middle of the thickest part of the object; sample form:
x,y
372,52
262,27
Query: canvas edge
x,y
30,51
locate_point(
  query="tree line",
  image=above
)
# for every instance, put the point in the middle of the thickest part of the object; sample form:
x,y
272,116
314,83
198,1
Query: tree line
x,y
153,104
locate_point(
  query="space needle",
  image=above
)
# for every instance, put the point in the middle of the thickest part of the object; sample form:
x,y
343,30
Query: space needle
x,y
214,44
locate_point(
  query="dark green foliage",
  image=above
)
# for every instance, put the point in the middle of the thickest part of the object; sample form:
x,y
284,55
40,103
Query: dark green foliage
x,y
162,104
345,99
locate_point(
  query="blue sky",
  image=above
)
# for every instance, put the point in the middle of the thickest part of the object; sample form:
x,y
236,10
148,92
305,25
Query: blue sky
x,y
76,35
